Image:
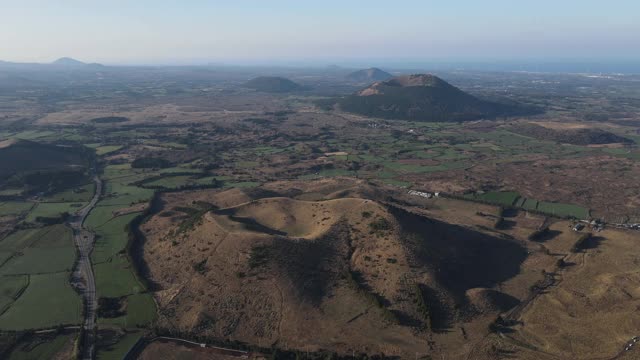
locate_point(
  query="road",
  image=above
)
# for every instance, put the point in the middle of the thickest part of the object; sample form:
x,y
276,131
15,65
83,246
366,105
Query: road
x,y
84,280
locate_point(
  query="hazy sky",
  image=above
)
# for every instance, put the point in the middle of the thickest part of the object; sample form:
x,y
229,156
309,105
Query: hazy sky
x,y
197,31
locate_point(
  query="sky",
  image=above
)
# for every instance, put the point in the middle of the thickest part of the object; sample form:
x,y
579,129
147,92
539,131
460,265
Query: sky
x,y
328,31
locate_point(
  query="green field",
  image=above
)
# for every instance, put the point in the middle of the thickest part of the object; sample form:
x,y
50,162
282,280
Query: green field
x,y
512,198
563,210
115,171
22,239
112,238
616,151
103,150
14,207
55,235
82,194
53,210
100,215
47,302
141,310
179,169
40,260
530,204
37,251
4,256
11,192
397,182
117,193
115,278
10,289
114,275
47,255
33,134
505,198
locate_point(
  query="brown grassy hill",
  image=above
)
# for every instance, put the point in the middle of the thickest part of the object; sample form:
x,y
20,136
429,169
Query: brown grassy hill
x,y
348,274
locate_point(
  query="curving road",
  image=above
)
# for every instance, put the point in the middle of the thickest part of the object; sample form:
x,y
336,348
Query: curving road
x,y
84,280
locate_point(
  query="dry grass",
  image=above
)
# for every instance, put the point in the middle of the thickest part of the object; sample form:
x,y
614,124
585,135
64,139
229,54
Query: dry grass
x,y
266,271
590,313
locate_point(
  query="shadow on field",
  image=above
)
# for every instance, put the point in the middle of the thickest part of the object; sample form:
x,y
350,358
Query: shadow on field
x,y
547,235
593,242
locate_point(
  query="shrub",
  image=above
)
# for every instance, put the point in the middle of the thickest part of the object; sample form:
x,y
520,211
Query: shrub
x,y
259,256
201,266
380,224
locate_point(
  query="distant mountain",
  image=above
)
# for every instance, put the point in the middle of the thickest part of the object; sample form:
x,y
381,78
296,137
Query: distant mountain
x,y
369,75
424,98
67,61
272,84
9,63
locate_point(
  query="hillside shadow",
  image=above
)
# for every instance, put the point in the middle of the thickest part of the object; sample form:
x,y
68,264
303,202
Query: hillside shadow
x,y
252,225
441,316
312,266
459,258
137,239
248,223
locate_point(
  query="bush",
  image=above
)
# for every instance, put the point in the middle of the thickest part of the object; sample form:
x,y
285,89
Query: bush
x,y
539,234
201,266
111,307
259,256
380,224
